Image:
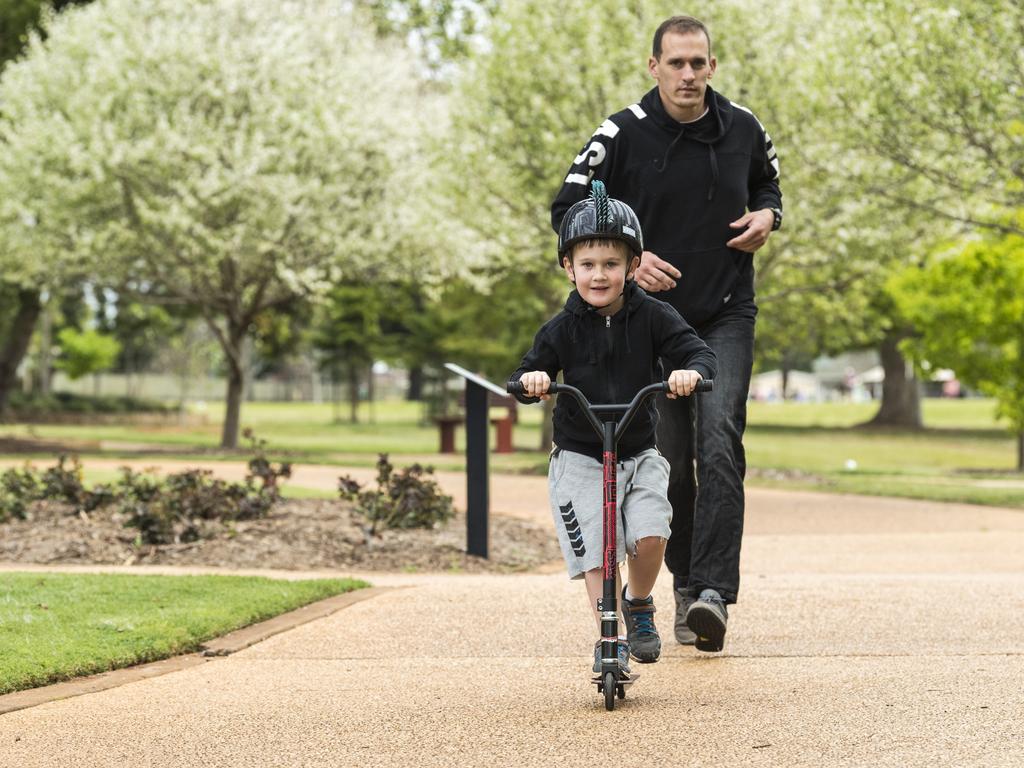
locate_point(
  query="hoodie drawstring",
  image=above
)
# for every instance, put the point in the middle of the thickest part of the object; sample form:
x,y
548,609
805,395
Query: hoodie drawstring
x,y
712,157
664,160
714,171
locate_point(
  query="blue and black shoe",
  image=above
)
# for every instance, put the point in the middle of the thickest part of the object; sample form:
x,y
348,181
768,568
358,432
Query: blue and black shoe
x,y
644,641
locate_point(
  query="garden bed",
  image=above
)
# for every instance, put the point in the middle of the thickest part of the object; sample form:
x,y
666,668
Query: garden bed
x,y
295,535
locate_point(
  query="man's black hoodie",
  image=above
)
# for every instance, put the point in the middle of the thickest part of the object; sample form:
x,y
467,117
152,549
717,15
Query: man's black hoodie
x,y
686,182
610,359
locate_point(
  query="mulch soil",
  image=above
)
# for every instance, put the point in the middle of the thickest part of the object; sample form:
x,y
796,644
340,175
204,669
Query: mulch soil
x,y
295,535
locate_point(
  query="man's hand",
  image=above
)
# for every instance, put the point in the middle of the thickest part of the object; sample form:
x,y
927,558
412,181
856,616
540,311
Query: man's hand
x,y
682,383
758,226
655,275
535,384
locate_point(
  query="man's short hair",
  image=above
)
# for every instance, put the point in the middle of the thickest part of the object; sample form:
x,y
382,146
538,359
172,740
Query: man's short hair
x,y
680,25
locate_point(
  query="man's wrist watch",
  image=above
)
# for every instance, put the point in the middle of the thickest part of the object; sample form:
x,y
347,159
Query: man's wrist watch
x,y
777,213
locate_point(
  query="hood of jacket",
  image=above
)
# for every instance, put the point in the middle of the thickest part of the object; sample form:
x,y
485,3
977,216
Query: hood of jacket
x,y
708,129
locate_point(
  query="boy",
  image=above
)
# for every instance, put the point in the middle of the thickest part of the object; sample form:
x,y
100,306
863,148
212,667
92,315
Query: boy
x,y
607,342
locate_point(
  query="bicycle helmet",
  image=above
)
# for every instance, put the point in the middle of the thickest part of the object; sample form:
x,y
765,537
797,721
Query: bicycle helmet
x,y
599,217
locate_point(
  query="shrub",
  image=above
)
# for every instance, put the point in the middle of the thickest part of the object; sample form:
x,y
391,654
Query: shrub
x,y
178,508
408,499
34,405
64,483
260,467
18,489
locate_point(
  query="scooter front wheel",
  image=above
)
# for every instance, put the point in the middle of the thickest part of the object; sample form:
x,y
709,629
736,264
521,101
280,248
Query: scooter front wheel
x,y
609,691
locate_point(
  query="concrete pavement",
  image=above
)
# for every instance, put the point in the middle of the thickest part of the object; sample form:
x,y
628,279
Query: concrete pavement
x,y
870,632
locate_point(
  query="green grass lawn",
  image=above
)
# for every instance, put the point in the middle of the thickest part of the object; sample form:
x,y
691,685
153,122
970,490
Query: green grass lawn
x,y
57,626
962,454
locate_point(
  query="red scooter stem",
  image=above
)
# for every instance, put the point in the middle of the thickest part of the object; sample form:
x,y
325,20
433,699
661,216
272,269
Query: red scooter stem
x,y
609,598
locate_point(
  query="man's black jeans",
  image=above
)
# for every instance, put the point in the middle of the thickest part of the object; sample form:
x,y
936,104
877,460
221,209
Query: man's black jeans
x,y
702,438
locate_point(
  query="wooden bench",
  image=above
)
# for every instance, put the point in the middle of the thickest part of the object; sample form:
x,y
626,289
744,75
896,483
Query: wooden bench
x,y
502,424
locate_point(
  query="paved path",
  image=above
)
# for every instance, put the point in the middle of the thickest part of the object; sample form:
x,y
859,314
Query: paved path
x,y
870,632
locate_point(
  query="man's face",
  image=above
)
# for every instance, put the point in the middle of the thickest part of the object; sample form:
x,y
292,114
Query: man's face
x,y
600,270
682,73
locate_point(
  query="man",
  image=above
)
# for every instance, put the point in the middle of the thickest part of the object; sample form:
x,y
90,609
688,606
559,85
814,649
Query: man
x,y
702,175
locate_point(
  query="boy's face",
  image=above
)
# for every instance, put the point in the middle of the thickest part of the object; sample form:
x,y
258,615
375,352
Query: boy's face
x,y
600,269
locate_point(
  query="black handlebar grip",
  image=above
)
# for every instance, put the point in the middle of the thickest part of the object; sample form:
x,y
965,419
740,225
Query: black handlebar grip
x,y
705,385
517,388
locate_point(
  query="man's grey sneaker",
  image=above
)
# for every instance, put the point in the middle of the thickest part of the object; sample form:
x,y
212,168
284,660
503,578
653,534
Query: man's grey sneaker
x,y
707,617
644,642
684,635
623,656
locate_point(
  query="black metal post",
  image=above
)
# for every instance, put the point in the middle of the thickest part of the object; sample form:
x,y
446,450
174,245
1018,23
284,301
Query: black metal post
x,y
477,501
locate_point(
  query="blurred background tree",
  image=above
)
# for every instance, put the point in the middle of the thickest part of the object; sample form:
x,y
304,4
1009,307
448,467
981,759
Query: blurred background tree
x,y
20,294
297,199
221,152
968,312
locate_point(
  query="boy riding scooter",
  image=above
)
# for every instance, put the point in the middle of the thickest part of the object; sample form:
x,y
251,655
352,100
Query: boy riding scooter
x,y
610,341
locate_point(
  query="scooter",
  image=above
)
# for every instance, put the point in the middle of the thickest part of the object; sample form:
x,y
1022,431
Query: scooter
x,y
610,422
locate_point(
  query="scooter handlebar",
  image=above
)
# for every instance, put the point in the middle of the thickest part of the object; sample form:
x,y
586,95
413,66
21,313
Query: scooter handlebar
x,y
516,387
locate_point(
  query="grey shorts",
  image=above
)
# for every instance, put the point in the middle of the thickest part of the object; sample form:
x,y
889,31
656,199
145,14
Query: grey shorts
x,y
576,492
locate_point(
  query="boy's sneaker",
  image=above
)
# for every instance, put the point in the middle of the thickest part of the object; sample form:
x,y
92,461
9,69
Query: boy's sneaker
x,y
644,642
707,617
684,635
623,656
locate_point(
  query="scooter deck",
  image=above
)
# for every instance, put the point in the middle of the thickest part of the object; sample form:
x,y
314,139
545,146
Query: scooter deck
x,y
623,681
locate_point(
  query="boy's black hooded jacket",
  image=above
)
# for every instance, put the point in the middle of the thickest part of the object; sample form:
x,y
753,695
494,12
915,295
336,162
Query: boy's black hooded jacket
x,y
686,182
610,359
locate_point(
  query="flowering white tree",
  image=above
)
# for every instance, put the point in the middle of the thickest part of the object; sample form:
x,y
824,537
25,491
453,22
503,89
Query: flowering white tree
x,y
221,153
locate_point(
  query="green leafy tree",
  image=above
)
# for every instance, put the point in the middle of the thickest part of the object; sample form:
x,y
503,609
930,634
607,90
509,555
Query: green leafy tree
x,y
85,352
549,74
348,333
926,148
968,311
443,30
19,288
940,125
235,155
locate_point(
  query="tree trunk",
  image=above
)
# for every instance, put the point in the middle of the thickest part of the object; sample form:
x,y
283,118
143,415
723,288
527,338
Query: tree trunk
x,y
901,394
416,380
336,395
45,372
353,393
1020,451
13,352
236,387
371,393
785,382
183,382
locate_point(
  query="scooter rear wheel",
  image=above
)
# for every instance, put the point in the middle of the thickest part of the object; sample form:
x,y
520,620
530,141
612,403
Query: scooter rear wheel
x,y
609,691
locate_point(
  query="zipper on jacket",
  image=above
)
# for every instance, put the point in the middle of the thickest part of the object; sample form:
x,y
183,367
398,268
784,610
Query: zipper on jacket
x,y
611,354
